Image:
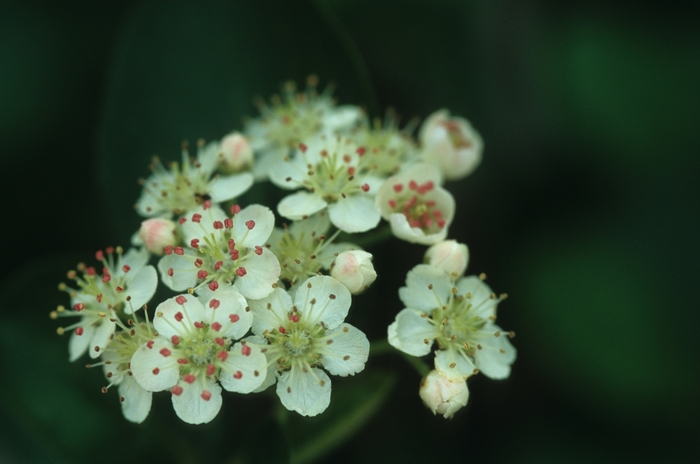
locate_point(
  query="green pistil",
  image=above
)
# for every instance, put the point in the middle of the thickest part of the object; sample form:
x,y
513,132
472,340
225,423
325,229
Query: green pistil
x,y
457,324
296,342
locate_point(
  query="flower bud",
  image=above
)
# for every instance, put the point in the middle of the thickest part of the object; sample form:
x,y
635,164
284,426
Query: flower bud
x,y
157,233
443,395
354,269
450,256
235,154
452,144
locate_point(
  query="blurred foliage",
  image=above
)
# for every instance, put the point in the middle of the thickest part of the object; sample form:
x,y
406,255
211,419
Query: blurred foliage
x,y
584,211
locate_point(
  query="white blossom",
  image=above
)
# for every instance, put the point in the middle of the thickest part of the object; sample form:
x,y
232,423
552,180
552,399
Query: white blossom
x,y
450,256
157,233
354,269
443,395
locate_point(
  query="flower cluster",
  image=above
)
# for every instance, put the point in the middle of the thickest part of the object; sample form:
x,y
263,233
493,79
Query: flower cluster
x,y
261,299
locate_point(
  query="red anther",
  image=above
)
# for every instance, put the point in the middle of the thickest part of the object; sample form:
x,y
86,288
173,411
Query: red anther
x,y
179,251
175,340
206,395
181,221
347,158
428,185
240,272
245,350
194,243
176,390
182,361
155,371
414,223
211,369
219,341
217,265
126,268
189,378
231,244
218,225
361,151
79,330
238,375
412,184
294,317
324,153
196,217
228,223
90,271
202,274
168,249
199,325
351,171
222,355
149,344
119,289
214,303
398,187
441,223
178,316
165,352
215,326
365,187
235,209
303,147
234,254
198,263
392,203
250,224
207,204
410,202
99,298
258,250
99,255
233,317
109,250
79,306
180,299
106,278
171,271
213,285
437,213
282,330
430,203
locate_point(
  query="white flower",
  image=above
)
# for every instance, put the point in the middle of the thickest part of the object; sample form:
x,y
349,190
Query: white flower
x,y
443,395
158,233
181,188
303,248
328,169
124,286
194,352
235,154
450,256
354,269
223,252
459,316
305,335
417,208
452,144
292,119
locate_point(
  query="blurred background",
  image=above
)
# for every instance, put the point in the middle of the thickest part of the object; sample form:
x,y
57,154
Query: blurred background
x,y
584,210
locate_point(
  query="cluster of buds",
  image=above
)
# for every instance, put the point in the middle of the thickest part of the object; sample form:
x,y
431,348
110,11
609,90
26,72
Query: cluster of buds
x,y
261,299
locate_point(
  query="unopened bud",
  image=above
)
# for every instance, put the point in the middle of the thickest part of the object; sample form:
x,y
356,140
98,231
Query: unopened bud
x,y
157,233
451,143
450,256
354,269
443,395
235,154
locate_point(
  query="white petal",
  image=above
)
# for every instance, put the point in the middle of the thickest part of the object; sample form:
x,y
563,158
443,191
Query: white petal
x,y
230,313
148,205
300,204
154,365
136,258
78,344
268,159
490,360
356,213
270,312
192,407
346,350
140,286
482,304
102,335
205,226
453,364
263,223
244,370
175,318
224,188
271,374
414,334
137,401
332,301
206,158
308,393
342,118
427,288
183,270
402,230
262,271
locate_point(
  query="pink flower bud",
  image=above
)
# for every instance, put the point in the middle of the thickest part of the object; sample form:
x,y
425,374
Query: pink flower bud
x,y
157,233
354,269
452,144
235,154
450,256
443,395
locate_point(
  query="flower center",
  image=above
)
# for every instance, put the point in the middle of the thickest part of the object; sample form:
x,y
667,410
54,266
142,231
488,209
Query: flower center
x,y
416,204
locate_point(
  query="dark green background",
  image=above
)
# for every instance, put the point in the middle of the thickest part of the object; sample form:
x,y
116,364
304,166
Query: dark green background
x,y
584,210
